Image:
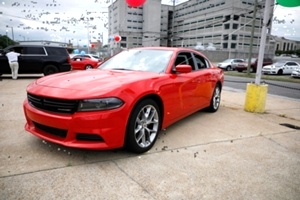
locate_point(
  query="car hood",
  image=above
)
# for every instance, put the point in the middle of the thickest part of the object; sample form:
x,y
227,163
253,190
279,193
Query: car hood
x,y
224,63
89,83
267,66
273,65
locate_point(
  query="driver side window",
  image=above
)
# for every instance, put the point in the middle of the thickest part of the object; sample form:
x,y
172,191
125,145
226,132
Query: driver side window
x,y
185,58
201,62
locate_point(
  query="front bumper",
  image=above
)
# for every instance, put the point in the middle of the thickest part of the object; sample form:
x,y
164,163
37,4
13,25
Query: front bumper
x,y
97,130
296,74
269,71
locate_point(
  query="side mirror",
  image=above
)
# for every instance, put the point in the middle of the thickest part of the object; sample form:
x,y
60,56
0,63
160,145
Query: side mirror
x,y
183,68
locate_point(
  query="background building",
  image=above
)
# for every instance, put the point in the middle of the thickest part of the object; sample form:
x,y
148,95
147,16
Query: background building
x,y
209,24
283,44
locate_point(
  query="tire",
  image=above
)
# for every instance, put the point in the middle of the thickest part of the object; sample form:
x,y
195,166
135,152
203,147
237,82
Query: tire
x,y
88,67
280,72
50,69
215,100
228,68
239,70
143,126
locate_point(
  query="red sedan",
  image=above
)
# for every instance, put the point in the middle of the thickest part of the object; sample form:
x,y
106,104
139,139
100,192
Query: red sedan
x,y
83,63
130,98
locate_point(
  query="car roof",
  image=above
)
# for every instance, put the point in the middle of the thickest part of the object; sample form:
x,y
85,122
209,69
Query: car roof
x,y
32,45
175,49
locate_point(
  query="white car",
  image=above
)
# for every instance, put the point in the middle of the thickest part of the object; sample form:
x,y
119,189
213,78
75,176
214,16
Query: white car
x,y
229,64
280,67
296,73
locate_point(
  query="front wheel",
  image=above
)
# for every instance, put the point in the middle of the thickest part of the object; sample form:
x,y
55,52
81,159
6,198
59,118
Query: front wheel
x,y
215,100
143,126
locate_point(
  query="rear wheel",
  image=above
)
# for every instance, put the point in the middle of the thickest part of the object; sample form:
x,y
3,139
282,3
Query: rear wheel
x,y
88,67
215,100
50,69
143,126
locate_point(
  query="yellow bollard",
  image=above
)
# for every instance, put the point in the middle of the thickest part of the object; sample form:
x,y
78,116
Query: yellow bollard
x,y
256,98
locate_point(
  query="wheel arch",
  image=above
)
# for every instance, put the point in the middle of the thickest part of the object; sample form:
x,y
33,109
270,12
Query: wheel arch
x,y
127,138
50,63
219,83
157,100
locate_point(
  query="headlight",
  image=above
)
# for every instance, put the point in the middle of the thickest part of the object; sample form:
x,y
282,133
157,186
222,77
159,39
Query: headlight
x,y
99,104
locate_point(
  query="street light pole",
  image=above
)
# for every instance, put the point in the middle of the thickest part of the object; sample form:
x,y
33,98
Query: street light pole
x,y
12,32
6,38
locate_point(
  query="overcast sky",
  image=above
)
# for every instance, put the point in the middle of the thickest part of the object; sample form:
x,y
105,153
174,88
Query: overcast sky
x,y
66,20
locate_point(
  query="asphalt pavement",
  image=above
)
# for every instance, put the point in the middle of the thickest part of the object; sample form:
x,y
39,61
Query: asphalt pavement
x,y
231,154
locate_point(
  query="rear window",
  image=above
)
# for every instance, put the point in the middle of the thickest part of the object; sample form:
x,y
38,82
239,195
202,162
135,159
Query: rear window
x,y
57,51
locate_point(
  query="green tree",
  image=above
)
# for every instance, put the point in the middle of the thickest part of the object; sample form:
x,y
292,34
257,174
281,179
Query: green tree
x,y
5,41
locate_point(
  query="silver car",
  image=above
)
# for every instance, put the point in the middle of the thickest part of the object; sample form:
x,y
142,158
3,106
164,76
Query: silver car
x,y
230,64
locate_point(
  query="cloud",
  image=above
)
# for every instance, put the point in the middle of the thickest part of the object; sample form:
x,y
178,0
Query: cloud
x,y
286,22
63,21
75,20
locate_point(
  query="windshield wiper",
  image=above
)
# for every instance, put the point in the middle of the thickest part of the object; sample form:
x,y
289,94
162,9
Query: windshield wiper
x,y
119,68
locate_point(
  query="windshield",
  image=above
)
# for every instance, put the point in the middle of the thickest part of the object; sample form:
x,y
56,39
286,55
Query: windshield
x,y
139,60
279,63
227,61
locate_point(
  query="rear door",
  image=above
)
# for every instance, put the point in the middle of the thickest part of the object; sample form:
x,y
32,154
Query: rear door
x,y
31,59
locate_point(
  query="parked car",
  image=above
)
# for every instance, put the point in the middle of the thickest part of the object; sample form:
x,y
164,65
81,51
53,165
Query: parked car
x,y
36,59
125,102
243,66
81,63
230,64
280,67
296,73
94,57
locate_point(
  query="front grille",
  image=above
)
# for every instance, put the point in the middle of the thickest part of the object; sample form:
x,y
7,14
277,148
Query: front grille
x,y
88,137
53,105
51,130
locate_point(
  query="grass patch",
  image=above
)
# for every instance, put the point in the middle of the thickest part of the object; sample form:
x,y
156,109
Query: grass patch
x,y
285,78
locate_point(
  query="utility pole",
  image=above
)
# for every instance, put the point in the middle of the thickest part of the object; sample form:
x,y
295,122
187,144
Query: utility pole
x,y
251,39
263,38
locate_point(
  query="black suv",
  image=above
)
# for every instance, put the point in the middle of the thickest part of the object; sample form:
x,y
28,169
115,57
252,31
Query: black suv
x,y
36,59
